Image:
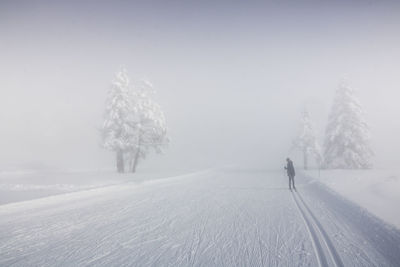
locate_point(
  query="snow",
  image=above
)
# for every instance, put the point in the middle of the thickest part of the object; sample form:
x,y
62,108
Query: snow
x,y
22,185
378,190
347,134
222,217
197,219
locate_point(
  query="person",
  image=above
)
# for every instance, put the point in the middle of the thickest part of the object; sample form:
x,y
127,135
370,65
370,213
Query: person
x,y
290,172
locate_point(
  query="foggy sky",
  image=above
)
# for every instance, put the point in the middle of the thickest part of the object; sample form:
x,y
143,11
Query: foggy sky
x,y
232,77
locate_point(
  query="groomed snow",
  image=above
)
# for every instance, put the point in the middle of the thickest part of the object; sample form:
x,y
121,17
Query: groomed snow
x,y
226,217
378,191
21,185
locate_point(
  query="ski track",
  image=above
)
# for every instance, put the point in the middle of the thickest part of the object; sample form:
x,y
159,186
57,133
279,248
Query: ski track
x,y
364,239
318,250
314,227
216,218
332,250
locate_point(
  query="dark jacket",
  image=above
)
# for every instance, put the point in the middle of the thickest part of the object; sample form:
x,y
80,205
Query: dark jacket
x,y
290,168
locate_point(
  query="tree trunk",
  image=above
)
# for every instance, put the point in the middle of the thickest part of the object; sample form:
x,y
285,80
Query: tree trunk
x,y
305,158
135,162
137,154
120,161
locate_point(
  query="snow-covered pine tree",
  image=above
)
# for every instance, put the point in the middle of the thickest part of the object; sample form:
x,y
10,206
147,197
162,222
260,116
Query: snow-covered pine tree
x,y
151,127
307,141
120,119
346,144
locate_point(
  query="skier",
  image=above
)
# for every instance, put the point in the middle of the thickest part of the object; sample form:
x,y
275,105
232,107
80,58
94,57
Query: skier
x,y
290,172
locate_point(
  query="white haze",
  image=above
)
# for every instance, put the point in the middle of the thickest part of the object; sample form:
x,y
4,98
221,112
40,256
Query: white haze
x,y
232,79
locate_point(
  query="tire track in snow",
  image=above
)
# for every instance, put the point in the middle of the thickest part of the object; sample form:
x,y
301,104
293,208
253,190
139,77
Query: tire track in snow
x,y
322,262
331,248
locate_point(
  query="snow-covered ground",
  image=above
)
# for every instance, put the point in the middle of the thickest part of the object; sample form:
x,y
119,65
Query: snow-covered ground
x,y
226,217
31,184
378,191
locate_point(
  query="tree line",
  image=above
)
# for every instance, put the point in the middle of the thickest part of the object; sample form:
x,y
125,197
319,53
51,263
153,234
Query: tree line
x,y
347,135
134,124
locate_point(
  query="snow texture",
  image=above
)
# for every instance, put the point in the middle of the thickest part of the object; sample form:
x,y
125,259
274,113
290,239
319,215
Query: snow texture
x,y
226,217
376,190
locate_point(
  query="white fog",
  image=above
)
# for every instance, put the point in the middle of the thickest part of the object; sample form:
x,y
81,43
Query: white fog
x,y
232,80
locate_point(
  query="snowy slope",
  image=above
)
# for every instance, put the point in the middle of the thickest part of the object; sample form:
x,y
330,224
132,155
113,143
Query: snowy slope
x,y
213,218
377,190
31,184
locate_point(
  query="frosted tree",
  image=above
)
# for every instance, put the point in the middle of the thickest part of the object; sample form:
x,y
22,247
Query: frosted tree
x,y
347,133
151,130
120,120
307,141
133,123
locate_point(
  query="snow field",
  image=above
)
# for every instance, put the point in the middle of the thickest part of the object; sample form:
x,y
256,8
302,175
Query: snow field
x,y
212,219
225,217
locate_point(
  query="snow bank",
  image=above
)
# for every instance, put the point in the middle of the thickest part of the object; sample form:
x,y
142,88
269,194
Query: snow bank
x,y
378,191
21,185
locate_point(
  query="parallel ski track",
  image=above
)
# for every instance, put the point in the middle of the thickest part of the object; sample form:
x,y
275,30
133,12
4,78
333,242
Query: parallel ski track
x,y
331,248
319,252
313,224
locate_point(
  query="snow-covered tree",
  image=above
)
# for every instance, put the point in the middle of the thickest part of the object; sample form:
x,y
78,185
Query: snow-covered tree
x,y
119,124
307,142
133,123
151,128
347,134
